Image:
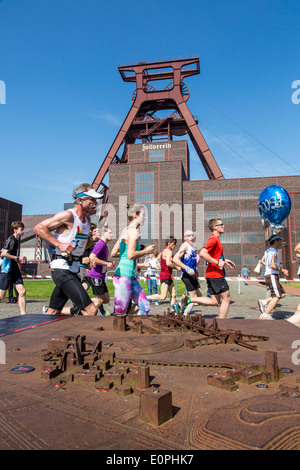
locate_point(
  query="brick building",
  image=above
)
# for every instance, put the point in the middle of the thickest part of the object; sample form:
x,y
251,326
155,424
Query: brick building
x,y
157,175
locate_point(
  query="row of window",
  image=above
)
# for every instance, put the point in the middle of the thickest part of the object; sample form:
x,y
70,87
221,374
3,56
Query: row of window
x,y
232,215
226,194
240,237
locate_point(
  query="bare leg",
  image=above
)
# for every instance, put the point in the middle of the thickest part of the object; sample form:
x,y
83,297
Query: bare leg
x,y
22,298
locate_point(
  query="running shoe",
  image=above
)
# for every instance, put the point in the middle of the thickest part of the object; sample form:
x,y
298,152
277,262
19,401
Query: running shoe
x,y
188,309
184,301
107,314
266,316
44,309
177,308
262,305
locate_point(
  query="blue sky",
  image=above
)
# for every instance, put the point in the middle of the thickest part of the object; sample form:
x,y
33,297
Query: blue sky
x,y
66,101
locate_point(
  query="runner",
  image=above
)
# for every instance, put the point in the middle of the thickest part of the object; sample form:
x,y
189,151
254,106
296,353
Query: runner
x,y
186,258
72,231
128,247
10,271
272,262
165,275
217,286
97,274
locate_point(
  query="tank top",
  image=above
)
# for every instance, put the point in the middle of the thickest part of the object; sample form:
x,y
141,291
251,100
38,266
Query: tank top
x,y
79,232
189,258
268,258
166,271
126,266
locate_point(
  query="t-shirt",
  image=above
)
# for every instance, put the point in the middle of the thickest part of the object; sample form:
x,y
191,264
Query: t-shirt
x,y
215,250
101,251
268,260
12,245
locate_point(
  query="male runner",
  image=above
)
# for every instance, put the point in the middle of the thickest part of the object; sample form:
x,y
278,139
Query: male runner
x,y
9,270
186,258
72,230
99,264
217,286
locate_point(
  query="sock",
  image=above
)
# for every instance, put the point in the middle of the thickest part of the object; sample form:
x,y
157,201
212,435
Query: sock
x,y
101,308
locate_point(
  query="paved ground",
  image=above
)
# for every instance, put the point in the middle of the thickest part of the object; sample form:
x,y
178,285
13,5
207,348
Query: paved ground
x,y
244,304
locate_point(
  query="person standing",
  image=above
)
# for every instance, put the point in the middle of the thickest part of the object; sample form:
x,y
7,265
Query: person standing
x,y
245,274
217,286
151,262
10,271
272,262
72,229
97,274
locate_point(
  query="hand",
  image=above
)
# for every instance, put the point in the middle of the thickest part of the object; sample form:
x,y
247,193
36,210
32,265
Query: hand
x,y
285,272
229,263
66,247
150,249
190,271
111,264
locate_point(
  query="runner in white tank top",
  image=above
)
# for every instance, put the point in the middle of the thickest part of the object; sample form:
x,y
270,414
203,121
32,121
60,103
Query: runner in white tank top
x,y
70,226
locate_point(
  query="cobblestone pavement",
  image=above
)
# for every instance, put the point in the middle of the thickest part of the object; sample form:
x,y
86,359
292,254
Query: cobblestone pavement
x,y
243,304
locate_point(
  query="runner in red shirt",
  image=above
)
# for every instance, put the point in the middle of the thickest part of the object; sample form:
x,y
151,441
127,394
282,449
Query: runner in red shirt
x,y
217,286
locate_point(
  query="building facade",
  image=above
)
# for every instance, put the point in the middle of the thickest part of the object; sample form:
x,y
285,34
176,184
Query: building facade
x,y
157,175
9,212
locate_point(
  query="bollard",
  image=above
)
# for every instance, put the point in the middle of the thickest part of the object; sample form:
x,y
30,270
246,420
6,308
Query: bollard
x,y
155,406
119,322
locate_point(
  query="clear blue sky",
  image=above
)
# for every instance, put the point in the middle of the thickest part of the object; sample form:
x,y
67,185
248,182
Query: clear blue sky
x,y
66,101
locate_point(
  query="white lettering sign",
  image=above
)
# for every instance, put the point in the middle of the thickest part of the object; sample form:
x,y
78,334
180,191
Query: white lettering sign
x,y
156,146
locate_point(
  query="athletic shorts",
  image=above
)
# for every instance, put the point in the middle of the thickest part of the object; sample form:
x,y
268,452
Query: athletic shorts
x,y
14,276
216,286
98,285
191,282
273,284
167,281
68,286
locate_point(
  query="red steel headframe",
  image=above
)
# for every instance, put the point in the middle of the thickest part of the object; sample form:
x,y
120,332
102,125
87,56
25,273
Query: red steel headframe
x,y
141,122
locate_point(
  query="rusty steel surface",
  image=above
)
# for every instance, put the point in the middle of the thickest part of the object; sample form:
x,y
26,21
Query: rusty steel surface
x,y
141,389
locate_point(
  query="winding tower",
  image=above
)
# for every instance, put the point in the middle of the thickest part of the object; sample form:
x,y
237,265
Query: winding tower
x,y
145,121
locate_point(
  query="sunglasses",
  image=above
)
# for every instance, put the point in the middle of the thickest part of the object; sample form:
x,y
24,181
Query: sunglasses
x,y
217,225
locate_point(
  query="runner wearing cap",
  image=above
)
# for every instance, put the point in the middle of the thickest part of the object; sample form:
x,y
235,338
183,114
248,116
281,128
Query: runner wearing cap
x,y
72,229
272,262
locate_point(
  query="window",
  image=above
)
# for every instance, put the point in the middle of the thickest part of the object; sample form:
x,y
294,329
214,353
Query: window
x,y
144,194
223,194
156,155
232,215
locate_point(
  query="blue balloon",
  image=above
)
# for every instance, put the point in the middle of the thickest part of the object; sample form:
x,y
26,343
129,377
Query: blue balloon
x,y
274,204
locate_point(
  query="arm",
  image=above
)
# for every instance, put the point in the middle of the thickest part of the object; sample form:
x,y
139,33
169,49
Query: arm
x,y
169,260
5,254
274,266
61,220
221,262
132,252
116,249
176,260
95,261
